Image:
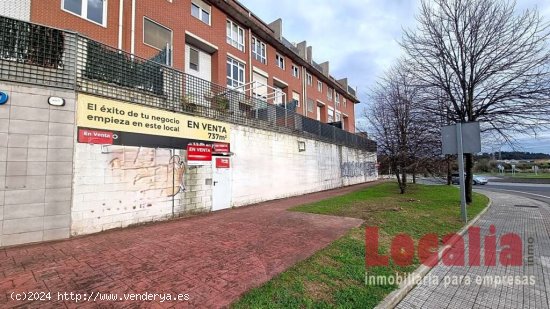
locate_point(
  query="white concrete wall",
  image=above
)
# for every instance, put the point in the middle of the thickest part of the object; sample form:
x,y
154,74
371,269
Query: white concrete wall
x,y
118,186
19,9
267,165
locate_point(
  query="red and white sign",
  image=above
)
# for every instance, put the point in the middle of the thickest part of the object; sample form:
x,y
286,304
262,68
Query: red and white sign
x,y
220,148
199,155
222,163
95,137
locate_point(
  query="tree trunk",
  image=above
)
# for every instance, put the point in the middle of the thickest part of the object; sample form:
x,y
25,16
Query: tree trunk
x,y
469,167
403,186
449,171
414,176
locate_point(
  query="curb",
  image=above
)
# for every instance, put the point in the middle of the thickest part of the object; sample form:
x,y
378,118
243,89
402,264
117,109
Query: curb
x,y
395,297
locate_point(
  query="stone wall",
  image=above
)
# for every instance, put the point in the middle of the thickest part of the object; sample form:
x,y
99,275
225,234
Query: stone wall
x,y
119,186
36,164
268,165
52,187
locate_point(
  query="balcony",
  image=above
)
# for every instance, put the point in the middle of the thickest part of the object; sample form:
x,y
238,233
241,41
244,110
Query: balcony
x,y
51,57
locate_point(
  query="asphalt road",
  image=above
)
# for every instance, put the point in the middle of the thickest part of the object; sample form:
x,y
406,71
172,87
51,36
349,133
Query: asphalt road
x,y
540,192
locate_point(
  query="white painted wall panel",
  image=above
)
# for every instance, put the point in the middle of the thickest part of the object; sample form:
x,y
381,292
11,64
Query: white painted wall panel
x,y
19,9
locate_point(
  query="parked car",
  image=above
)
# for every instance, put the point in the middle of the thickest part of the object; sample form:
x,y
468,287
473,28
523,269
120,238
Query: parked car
x,y
477,180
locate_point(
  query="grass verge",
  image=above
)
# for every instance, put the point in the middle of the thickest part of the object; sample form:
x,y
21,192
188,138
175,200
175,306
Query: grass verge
x,y
335,276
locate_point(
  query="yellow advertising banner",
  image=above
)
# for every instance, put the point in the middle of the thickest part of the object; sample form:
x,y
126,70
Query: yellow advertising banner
x,y
105,114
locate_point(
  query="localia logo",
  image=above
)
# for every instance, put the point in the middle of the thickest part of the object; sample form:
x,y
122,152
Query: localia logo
x,y
506,249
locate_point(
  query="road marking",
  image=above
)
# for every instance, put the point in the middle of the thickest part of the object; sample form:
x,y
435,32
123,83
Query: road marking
x,y
539,195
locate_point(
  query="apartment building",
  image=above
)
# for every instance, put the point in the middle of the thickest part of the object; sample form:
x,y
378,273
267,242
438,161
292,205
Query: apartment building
x,y
219,41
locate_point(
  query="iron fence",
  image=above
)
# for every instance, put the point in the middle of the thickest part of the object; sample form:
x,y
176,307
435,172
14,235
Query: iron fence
x,y
45,56
36,54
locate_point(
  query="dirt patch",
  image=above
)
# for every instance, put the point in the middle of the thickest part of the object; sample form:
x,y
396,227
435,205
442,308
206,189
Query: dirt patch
x,y
369,211
318,291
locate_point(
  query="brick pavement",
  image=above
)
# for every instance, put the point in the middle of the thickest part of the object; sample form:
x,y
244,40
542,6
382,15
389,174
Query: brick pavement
x,y
214,258
528,218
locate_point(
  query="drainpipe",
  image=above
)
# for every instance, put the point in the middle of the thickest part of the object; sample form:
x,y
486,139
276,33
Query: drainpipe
x,y
120,20
250,69
304,91
133,47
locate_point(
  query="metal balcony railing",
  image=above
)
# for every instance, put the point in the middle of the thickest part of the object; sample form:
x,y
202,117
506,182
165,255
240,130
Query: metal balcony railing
x,y
46,56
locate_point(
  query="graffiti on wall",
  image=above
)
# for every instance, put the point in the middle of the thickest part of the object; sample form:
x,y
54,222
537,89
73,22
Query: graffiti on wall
x,y
358,169
148,172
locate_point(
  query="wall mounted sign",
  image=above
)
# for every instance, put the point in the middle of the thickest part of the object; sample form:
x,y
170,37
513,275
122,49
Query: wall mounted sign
x,y
3,98
220,148
56,101
90,136
138,125
222,163
199,155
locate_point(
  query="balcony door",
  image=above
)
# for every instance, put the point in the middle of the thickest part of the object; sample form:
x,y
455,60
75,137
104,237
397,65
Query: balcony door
x,y
198,63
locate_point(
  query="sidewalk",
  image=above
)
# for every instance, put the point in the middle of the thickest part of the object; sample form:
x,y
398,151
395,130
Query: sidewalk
x,y
214,258
527,218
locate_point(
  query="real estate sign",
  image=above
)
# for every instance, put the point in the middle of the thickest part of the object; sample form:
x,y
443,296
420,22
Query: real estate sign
x,y
104,121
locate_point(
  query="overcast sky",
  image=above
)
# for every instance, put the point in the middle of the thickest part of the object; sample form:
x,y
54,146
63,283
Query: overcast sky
x,y
359,37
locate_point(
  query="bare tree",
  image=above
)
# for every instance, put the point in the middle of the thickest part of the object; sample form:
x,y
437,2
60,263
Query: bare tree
x,y
406,136
488,63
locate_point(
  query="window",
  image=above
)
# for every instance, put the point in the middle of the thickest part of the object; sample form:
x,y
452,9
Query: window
x,y
320,86
338,117
345,102
201,11
295,71
309,79
330,117
92,10
279,98
235,73
235,35
194,59
296,97
259,50
337,98
310,104
156,35
280,60
329,94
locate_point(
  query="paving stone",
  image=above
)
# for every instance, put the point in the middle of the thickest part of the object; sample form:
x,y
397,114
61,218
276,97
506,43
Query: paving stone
x,y
528,223
214,257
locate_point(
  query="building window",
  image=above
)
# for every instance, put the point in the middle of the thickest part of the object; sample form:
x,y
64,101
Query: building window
x,y
296,97
337,98
338,117
235,35
345,102
320,86
310,104
259,50
92,10
330,117
201,11
295,71
235,73
280,60
329,94
194,59
309,79
156,35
